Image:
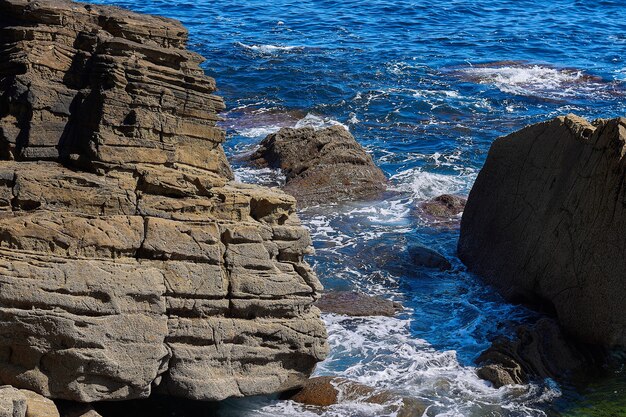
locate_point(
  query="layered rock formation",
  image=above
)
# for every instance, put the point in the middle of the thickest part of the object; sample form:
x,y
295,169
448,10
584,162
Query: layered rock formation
x,y
321,166
129,260
545,223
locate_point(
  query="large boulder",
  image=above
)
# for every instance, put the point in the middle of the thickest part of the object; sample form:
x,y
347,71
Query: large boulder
x,y
321,166
130,262
545,223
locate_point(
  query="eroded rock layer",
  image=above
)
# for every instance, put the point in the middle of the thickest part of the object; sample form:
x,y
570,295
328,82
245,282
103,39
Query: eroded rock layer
x,y
545,223
129,259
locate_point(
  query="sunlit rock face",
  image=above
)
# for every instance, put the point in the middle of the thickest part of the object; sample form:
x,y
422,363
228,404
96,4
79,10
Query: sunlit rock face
x,y
130,262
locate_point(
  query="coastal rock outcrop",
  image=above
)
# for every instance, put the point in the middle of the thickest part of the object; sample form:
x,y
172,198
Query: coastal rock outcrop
x,y
321,166
545,223
130,262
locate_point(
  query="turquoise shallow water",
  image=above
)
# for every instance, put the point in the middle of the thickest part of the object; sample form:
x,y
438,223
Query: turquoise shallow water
x,y
425,86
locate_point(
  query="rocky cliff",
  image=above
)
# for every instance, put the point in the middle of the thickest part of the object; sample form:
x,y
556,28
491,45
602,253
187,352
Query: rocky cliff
x,y
545,223
130,262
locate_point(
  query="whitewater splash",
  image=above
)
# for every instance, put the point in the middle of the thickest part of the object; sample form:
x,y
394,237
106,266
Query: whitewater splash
x,y
258,123
269,49
537,80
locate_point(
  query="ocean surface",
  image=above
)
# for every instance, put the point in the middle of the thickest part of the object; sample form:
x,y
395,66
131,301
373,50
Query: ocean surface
x,y
425,86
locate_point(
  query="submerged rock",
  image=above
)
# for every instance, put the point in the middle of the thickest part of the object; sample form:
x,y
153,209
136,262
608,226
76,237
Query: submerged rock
x,y
326,391
545,223
427,258
129,260
536,351
355,304
444,209
321,166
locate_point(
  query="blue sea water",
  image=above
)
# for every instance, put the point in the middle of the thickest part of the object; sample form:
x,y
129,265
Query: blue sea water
x,y
425,86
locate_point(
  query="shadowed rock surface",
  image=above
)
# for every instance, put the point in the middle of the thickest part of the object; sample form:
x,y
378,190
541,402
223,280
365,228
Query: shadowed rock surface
x,y
321,166
325,391
536,351
355,304
129,260
545,223
427,258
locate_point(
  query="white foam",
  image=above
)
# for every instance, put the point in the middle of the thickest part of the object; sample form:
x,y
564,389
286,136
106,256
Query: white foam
x,y
318,122
263,176
258,132
426,185
535,80
269,49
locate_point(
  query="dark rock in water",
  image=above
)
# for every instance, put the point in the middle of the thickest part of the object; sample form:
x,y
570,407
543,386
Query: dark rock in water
x,y
326,390
537,351
321,166
444,209
545,222
130,262
351,303
428,258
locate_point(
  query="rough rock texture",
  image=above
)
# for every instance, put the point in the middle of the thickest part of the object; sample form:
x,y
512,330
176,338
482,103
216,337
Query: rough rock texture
x,y
444,210
12,402
321,166
355,304
539,351
129,260
327,390
545,223
39,406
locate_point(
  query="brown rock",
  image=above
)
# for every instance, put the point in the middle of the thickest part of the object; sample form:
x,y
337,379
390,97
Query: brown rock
x,y
545,223
321,166
444,209
130,262
355,304
39,406
326,391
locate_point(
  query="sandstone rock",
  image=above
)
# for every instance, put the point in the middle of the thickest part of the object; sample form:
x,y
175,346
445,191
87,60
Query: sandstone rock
x,y
39,406
536,351
130,262
12,402
321,166
444,209
428,258
326,390
545,223
352,303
